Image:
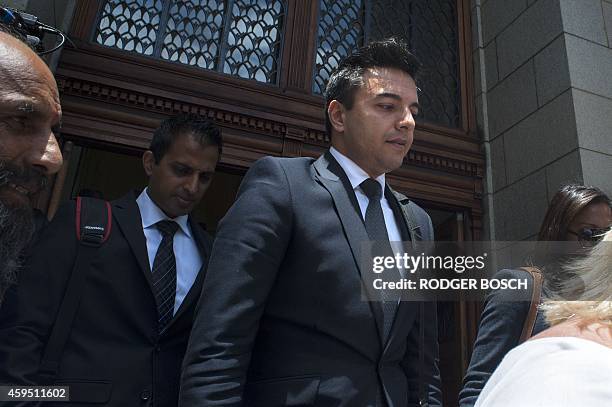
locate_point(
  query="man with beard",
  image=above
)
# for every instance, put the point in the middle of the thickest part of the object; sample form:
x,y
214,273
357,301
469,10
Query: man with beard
x,y
30,115
126,338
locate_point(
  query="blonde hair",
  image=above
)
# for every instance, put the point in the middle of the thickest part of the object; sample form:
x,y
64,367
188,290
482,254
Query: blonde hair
x,y
585,311
589,288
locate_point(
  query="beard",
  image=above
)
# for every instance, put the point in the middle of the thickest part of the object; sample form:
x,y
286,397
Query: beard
x,y
16,229
16,223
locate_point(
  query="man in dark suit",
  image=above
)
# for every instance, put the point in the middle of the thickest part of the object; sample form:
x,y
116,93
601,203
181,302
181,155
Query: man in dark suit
x,y
129,334
281,320
30,115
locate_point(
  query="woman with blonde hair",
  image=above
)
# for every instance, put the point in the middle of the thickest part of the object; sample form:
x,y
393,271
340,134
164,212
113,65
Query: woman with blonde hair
x,y
577,214
569,364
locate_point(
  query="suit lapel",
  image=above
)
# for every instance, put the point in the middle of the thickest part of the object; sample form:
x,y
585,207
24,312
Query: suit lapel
x,y
406,310
334,180
127,215
204,246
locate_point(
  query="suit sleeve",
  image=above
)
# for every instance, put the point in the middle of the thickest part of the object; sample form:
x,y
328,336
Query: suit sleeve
x,y
29,312
500,329
247,251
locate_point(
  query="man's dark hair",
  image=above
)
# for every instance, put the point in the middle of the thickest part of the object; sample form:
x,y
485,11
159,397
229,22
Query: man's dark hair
x,y
194,125
348,76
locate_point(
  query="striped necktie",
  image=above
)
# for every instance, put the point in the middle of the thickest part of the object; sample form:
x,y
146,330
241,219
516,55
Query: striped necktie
x,y
164,273
377,232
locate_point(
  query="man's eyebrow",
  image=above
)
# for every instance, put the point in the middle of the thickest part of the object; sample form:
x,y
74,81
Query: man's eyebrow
x,y
388,95
26,107
190,168
395,96
22,105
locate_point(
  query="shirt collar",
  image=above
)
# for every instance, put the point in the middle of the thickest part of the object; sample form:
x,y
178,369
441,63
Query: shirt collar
x,y
151,214
355,173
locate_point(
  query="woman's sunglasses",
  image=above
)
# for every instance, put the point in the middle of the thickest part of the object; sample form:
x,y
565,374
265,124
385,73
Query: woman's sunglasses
x,y
588,237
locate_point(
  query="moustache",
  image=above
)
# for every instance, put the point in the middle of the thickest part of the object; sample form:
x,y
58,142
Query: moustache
x,y
30,178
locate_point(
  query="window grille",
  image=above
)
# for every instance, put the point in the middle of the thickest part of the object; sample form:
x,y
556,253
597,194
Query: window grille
x,y
429,27
236,37
340,31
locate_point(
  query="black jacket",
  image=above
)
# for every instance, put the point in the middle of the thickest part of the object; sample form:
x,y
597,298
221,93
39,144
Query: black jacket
x,y
281,321
114,355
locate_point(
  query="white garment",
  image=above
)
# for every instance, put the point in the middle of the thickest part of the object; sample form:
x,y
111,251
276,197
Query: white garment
x,y
552,372
186,251
356,176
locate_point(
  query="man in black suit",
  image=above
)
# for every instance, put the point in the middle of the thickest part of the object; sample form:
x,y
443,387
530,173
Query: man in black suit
x,y
281,320
129,335
30,115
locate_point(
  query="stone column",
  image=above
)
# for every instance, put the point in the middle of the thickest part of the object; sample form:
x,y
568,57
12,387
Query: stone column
x,y
543,102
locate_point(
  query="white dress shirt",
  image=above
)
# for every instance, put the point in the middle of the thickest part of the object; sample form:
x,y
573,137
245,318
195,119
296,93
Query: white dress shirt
x,y
186,252
356,176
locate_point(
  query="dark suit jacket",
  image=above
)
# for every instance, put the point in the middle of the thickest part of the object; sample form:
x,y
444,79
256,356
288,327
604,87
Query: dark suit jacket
x,y
114,355
501,324
281,321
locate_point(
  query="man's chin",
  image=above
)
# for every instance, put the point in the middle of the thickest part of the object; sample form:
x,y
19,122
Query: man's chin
x,y
176,210
183,207
392,165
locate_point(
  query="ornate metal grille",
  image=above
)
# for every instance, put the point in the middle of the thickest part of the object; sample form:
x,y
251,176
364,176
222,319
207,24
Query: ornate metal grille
x,y
340,32
193,33
428,26
237,37
254,39
131,25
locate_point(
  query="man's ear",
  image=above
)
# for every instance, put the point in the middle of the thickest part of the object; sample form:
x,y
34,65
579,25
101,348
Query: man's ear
x,y
335,111
148,161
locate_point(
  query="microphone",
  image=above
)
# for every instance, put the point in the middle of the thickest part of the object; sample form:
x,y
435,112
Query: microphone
x,y
7,16
31,28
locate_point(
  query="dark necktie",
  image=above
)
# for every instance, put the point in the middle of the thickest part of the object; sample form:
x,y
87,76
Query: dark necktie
x,y
164,273
377,232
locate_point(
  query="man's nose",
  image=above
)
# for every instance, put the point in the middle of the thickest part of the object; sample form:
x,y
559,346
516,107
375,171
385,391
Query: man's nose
x,y
193,183
406,121
50,160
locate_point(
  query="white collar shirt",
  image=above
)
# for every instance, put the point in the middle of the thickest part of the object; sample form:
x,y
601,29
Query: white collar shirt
x,y
186,251
356,176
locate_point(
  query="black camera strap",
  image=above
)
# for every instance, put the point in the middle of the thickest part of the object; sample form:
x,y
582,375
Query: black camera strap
x,y
93,226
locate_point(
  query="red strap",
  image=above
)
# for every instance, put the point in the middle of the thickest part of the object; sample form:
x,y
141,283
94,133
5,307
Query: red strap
x,y
109,222
78,218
